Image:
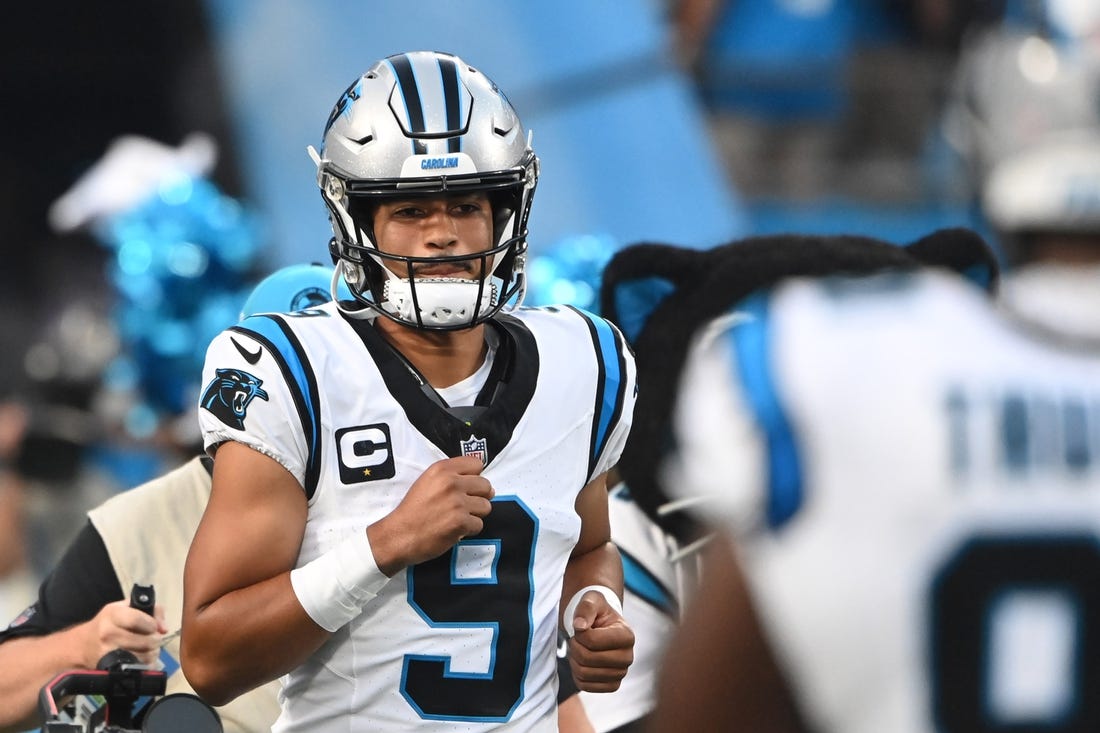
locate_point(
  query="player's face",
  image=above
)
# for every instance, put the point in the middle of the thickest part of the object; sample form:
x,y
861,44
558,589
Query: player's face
x,y
433,227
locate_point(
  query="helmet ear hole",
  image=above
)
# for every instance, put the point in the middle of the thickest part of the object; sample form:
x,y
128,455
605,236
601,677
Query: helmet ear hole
x,y
361,211
504,205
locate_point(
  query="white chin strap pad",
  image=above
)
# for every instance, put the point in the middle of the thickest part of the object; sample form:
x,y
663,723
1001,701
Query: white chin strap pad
x,y
443,301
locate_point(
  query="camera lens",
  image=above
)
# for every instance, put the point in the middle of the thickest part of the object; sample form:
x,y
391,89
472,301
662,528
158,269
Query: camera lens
x,y
181,713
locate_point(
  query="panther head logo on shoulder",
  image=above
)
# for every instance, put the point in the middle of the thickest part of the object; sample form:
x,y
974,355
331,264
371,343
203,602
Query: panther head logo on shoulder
x,y
229,393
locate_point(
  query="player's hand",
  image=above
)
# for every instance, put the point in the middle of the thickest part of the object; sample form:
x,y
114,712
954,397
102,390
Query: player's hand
x,y
602,647
449,501
117,626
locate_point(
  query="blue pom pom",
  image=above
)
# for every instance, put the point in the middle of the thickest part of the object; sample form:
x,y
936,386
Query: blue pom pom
x,y
570,271
182,262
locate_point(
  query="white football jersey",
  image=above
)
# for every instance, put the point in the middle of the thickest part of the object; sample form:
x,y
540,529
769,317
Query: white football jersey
x,y
913,480
656,581
465,641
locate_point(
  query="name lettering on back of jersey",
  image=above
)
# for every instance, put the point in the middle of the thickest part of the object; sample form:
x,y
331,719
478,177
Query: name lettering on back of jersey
x,y
228,395
475,447
365,453
1017,432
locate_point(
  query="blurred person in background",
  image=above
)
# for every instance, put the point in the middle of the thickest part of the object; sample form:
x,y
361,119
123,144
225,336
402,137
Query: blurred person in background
x,y
108,386
1026,122
823,98
141,537
1043,202
183,256
52,280
108,383
17,578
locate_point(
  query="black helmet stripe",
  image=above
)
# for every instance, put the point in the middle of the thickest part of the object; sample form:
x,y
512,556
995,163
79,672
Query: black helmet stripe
x,y
451,101
406,80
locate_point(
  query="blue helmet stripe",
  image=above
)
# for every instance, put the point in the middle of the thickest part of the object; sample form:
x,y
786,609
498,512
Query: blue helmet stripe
x,y
644,584
276,336
610,387
751,342
410,94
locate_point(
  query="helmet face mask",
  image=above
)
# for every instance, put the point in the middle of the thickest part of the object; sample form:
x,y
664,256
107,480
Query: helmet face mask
x,y
426,124
394,288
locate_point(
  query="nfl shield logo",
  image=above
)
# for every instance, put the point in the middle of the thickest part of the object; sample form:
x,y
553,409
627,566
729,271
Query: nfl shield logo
x,y
475,447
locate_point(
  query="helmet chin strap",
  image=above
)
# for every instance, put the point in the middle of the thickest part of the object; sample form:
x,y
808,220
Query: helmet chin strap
x,y
362,314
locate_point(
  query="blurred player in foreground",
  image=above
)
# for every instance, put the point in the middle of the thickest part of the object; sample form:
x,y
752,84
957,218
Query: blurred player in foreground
x,y
654,293
921,552
907,478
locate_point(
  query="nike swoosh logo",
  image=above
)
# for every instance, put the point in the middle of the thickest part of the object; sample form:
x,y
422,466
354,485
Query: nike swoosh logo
x,y
249,356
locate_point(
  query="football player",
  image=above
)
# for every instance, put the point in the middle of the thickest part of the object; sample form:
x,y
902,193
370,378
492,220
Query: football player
x,y
906,475
409,496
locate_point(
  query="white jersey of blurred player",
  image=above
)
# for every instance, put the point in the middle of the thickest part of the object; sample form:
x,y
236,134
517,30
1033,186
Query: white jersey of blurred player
x,y
657,577
913,480
465,641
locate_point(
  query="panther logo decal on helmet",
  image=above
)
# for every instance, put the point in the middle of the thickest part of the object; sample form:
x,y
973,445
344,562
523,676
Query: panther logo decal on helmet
x,y
309,298
229,394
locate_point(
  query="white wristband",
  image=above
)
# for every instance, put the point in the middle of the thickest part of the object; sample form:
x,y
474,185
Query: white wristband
x,y
334,587
571,607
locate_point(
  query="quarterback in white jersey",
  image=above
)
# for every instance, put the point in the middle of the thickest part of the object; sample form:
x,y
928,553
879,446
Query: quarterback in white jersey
x,y
911,479
409,494
463,636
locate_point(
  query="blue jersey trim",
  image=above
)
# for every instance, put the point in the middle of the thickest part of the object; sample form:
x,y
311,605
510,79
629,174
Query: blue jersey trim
x,y
610,387
642,583
751,345
273,332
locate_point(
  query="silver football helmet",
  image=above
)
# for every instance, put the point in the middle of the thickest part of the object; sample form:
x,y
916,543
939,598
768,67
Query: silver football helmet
x,y
426,123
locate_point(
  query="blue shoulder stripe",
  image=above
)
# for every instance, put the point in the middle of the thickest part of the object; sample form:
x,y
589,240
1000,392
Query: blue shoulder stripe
x,y
611,384
273,332
751,345
644,584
